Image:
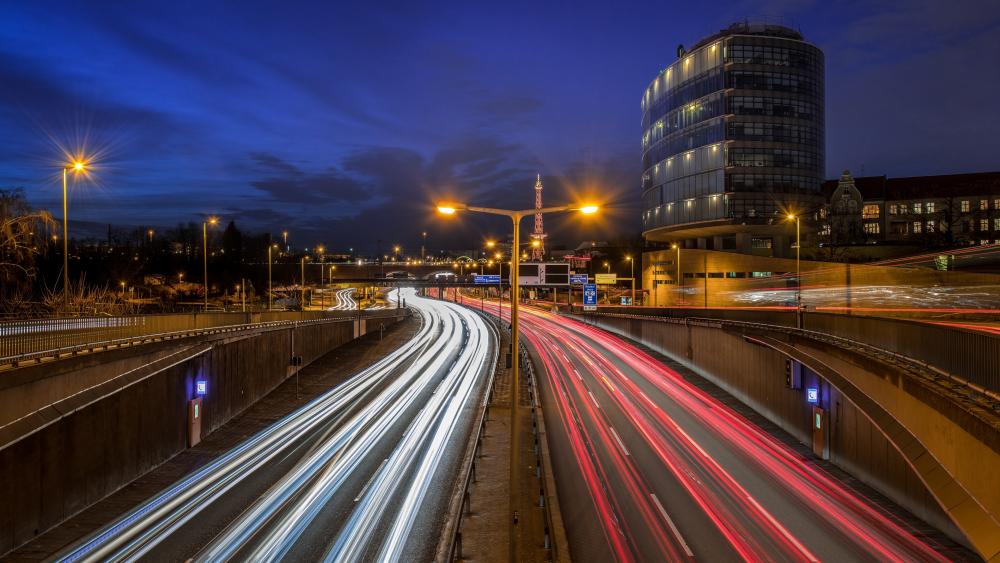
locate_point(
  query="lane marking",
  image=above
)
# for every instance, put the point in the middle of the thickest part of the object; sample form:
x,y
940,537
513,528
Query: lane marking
x,y
808,554
673,528
618,439
370,479
592,398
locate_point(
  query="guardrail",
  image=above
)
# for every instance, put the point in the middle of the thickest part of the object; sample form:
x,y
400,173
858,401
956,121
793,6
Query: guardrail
x,y
964,352
528,371
29,336
461,505
974,390
63,337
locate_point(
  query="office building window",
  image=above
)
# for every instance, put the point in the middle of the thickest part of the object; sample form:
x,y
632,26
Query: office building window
x,y
930,207
898,228
984,242
904,208
893,209
871,228
996,223
761,242
931,226
984,224
965,206
996,204
984,204
918,207
870,211
918,227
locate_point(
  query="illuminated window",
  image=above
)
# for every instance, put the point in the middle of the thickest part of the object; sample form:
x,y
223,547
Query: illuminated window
x,y
931,226
904,208
930,207
996,224
996,204
984,224
918,227
984,204
825,230
893,209
870,211
984,242
965,206
871,228
918,207
761,242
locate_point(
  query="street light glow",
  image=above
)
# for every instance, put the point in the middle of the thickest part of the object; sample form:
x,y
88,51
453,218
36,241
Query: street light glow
x,y
589,209
213,220
446,210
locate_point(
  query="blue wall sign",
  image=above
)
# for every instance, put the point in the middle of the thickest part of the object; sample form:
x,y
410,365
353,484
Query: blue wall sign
x,y
812,395
578,279
201,387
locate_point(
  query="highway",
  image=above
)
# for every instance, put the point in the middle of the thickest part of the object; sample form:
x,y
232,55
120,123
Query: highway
x,y
345,300
362,472
650,467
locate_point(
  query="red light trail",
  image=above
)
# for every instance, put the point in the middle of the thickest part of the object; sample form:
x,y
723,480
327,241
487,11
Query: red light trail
x,y
673,473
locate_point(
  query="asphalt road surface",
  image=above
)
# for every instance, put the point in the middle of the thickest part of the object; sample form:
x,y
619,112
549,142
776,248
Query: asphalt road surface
x,y
363,472
650,467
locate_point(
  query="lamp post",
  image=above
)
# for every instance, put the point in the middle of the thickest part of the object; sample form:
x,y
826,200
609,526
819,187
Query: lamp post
x,y
270,292
677,247
284,236
515,217
798,267
631,263
302,286
204,243
76,166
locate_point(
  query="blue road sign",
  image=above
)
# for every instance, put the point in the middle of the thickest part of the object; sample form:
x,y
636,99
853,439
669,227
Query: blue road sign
x,y
590,296
488,278
578,279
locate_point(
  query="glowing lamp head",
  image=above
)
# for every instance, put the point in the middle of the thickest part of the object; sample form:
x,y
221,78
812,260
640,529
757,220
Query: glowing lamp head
x,y
79,166
589,209
536,243
791,217
212,220
446,210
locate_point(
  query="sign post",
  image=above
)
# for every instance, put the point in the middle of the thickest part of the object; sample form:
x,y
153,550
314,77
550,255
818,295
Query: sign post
x,y
590,297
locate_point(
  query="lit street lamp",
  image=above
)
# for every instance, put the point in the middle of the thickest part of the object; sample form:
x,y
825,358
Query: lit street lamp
x,y
77,167
631,263
204,243
515,217
798,267
270,292
680,293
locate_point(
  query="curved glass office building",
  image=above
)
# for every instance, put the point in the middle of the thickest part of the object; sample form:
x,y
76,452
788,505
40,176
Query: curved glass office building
x,y
733,141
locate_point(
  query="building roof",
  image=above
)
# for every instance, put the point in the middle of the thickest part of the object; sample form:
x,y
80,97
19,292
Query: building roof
x,y
947,185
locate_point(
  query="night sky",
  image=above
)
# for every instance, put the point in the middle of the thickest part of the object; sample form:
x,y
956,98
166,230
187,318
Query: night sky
x,y
344,123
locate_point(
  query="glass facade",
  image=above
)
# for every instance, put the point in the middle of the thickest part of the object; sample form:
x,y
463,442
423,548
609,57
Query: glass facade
x,y
733,132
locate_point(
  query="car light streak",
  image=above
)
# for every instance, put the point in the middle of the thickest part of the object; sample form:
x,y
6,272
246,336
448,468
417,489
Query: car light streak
x,y
450,350
639,389
345,300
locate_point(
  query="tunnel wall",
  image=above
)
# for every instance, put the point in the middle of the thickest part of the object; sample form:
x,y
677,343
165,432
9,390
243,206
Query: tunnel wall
x,y
79,459
755,375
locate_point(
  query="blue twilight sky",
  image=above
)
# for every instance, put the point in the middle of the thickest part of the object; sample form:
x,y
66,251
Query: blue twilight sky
x,y
343,121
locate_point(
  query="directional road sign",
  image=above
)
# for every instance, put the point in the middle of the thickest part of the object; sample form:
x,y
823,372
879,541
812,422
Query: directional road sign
x,y
488,278
590,297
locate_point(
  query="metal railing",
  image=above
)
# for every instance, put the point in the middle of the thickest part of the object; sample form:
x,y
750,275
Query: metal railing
x,y
27,340
972,389
972,355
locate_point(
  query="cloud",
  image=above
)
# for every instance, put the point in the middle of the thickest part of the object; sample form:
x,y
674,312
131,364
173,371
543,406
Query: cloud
x,y
288,183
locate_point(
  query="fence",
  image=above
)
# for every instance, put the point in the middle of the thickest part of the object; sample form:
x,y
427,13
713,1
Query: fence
x,y
26,338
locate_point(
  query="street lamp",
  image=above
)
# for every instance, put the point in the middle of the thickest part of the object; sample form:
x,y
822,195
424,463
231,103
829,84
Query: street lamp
x,y
631,263
76,166
213,220
515,217
284,236
302,288
680,293
798,267
270,292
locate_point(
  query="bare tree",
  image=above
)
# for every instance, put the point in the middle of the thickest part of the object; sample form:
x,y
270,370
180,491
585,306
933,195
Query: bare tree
x,y
21,236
